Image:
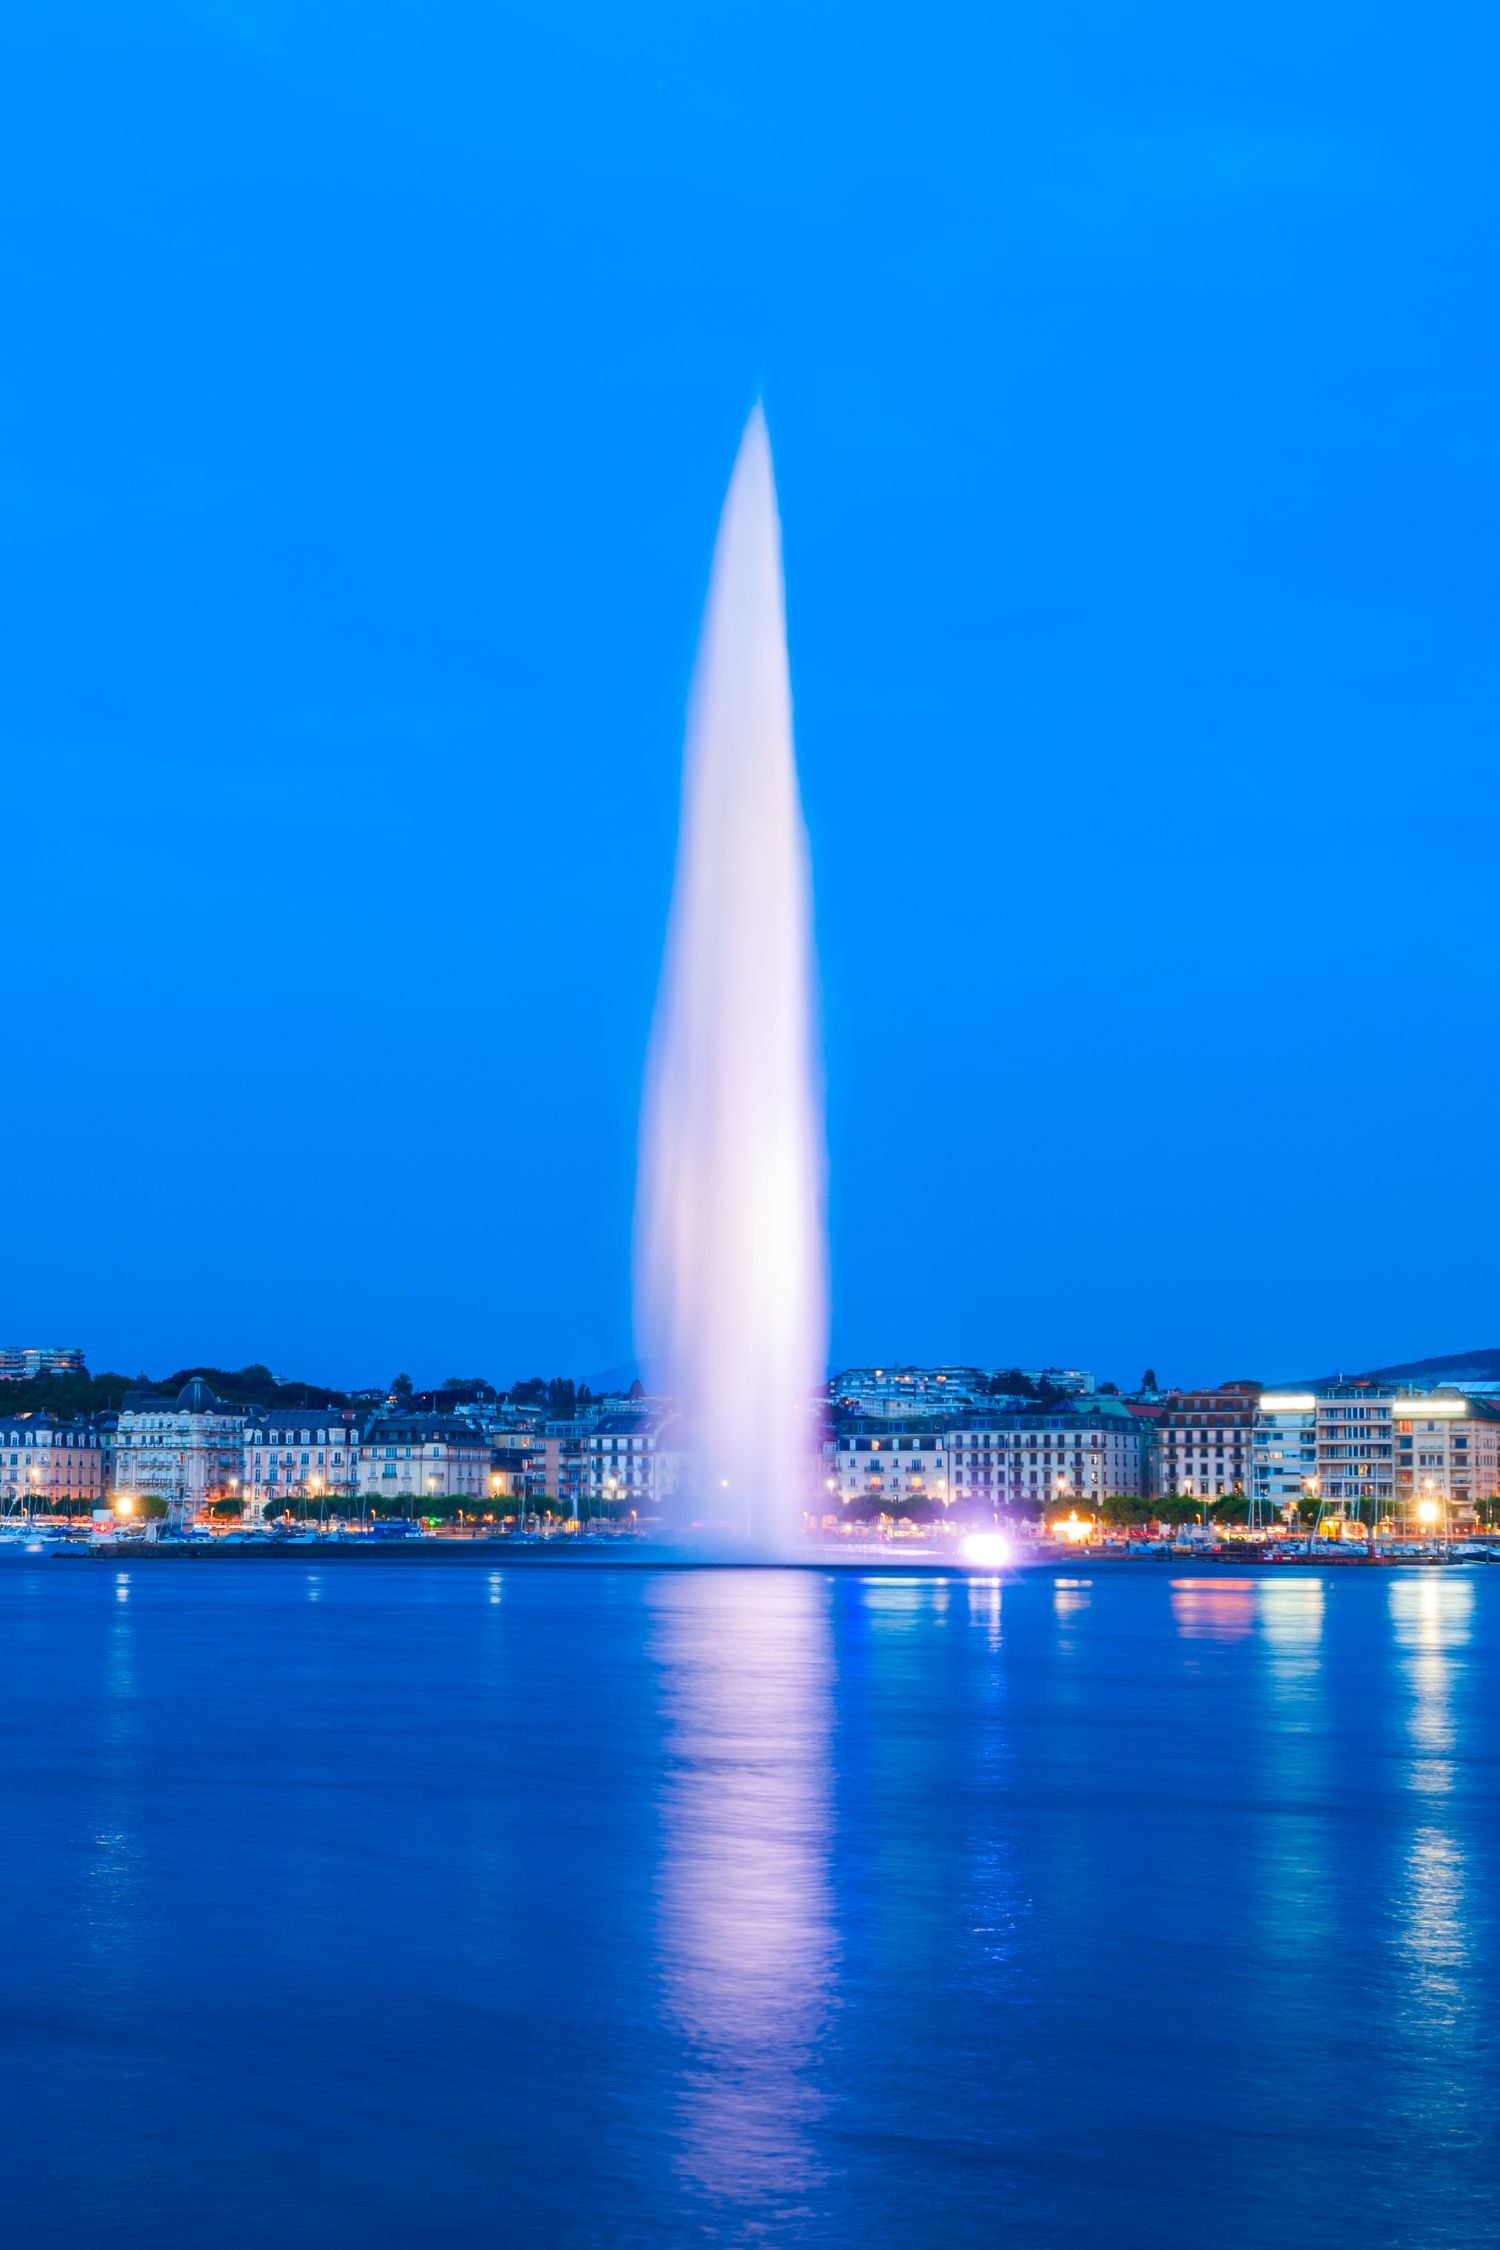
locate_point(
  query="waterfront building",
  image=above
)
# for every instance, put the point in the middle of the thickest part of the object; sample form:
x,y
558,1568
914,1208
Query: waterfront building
x,y
1283,1454
627,1469
1447,1458
49,1467
1204,1442
20,1362
187,1451
1356,1449
299,1453
565,1462
1071,1455
876,1458
105,1425
415,1458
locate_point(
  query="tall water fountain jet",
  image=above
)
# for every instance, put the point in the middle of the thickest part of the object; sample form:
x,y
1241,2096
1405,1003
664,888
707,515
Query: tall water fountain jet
x,y
731,1262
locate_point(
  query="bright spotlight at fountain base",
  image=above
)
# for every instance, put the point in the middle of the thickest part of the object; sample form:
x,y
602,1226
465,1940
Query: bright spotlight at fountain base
x,y
986,1550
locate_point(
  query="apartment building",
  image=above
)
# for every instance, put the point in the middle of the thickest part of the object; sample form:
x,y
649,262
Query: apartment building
x,y
299,1453
410,1459
49,1467
565,1466
1283,1452
904,1391
1356,1441
1446,1459
881,1459
1204,1442
20,1362
629,1466
1034,1460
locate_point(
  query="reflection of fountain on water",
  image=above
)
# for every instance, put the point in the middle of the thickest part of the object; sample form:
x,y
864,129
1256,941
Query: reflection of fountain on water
x,y
1433,1620
747,1944
730,1261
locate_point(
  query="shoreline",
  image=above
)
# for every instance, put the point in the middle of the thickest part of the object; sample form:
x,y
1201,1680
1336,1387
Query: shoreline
x,y
569,1555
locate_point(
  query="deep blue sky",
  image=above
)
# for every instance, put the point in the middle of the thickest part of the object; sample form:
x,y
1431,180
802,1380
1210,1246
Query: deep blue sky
x,y
371,381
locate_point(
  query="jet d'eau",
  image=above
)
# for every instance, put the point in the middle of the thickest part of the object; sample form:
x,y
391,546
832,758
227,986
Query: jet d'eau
x,y
732,1283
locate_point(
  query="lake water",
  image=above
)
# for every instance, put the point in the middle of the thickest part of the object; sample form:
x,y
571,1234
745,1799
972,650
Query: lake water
x,y
448,1907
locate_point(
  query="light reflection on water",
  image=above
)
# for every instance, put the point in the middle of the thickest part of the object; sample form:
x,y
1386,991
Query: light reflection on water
x,y
620,1910
748,1952
1213,1609
1070,1597
1432,1617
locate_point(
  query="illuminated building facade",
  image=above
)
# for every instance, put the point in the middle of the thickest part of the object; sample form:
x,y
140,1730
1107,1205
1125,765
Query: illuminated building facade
x,y
20,1362
1447,1459
1356,1449
187,1451
1284,1452
1204,1442
884,1460
1041,1458
48,1467
565,1463
410,1458
906,1390
627,1466
306,1453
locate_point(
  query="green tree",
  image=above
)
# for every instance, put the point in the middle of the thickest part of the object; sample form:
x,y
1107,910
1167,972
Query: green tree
x,y
401,1390
1124,1508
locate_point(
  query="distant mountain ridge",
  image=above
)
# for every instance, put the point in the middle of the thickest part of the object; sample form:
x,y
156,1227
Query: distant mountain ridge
x,y
1481,1366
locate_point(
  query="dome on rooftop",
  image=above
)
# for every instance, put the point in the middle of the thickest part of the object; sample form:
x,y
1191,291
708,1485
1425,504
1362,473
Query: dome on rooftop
x,y
196,1397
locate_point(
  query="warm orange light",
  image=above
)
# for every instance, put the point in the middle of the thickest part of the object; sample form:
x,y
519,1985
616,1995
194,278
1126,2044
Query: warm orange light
x,y
1427,1511
1075,1528
124,1506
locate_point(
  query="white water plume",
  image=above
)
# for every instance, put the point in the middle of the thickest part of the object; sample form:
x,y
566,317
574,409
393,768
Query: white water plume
x,y
731,1266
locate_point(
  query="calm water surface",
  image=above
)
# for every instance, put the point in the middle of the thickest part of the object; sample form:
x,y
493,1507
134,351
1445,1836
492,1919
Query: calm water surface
x,y
413,1905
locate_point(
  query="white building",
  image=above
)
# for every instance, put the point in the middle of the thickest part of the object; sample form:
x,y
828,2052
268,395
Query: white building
x,y
187,1451
1356,1450
408,1459
880,1460
1284,1452
298,1453
906,1390
1045,1458
628,1468
1076,1382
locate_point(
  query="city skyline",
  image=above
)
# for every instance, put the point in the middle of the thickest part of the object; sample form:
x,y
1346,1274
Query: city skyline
x,y
1136,455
